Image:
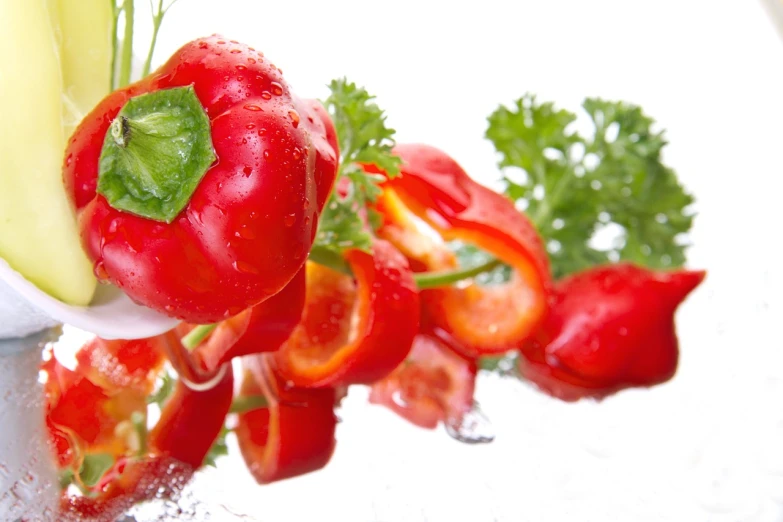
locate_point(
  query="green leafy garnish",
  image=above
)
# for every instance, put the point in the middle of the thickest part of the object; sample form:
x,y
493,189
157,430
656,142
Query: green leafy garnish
x,y
161,394
576,188
94,467
364,139
505,364
218,449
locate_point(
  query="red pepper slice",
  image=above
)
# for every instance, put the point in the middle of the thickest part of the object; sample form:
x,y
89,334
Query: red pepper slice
x,y
609,328
191,421
434,384
293,435
119,364
483,319
78,407
251,221
353,333
188,426
262,328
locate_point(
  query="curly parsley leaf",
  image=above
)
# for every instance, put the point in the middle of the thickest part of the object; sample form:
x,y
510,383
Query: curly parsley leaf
x,y
364,138
577,188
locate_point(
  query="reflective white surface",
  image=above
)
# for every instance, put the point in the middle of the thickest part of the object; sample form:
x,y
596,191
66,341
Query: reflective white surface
x,y
27,474
112,315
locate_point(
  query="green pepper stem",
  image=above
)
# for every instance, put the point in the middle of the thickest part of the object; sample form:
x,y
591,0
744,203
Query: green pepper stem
x,y
247,403
197,335
155,154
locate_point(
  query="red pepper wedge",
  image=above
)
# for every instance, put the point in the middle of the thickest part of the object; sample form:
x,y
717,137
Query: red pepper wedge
x,y
433,385
609,328
483,319
293,435
250,222
353,332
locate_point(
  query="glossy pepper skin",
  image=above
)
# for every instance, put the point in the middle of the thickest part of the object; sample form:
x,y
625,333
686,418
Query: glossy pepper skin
x,y
353,330
249,225
609,328
293,435
433,385
483,319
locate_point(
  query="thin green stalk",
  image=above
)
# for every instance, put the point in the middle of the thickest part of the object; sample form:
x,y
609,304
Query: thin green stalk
x,y
157,19
425,280
139,421
197,335
244,404
115,44
127,45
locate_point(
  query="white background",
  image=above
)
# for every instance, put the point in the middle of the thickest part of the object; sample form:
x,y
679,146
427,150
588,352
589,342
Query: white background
x,y
706,446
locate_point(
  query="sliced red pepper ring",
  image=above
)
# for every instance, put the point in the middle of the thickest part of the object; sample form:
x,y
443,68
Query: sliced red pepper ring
x,y
483,319
434,384
293,435
353,332
609,328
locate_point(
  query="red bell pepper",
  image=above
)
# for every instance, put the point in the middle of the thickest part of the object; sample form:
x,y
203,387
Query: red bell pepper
x,y
199,188
353,333
609,328
293,435
434,384
483,319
